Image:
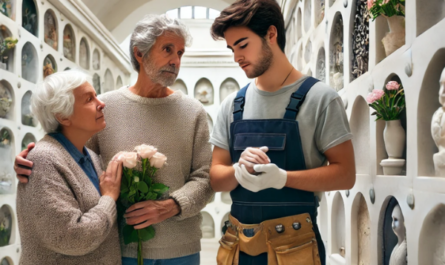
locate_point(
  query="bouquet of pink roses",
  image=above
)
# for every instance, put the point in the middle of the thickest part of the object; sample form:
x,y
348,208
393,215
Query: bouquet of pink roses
x,y
388,103
139,168
386,8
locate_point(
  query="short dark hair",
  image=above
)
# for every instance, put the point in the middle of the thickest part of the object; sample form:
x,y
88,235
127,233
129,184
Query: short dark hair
x,y
257,15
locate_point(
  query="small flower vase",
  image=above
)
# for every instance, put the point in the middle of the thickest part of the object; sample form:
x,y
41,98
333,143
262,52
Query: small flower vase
x,y
394,138
395,38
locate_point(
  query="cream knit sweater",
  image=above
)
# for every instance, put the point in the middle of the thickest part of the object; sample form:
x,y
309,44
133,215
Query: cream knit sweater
x,y
62,218
177,126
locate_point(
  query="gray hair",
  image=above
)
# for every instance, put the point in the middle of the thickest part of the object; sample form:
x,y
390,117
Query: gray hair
x,y
149,28
55,97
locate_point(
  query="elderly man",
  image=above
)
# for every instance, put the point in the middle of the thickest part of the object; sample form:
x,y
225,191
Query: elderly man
x,y
150,112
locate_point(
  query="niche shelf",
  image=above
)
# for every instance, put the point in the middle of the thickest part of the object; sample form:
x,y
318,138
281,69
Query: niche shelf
x,y
179,85
204,91
228,87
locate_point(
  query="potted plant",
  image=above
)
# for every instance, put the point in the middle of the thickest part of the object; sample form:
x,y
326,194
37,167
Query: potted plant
x,y
5,46
394,12
5,138
389,104
5,229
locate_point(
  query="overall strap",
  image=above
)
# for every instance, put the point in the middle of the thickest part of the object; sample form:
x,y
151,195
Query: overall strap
x,y
298,97
238,104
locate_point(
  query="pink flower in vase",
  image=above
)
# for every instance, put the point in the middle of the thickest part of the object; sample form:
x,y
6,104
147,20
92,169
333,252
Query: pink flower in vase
x,y
375,95
378,93
370,3
370,98
392,85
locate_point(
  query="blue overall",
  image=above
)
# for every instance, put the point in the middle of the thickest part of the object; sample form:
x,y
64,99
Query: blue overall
x,y
282,136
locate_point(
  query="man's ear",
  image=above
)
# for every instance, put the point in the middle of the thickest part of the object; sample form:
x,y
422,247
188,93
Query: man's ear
x,y
137,54
63,121
272,34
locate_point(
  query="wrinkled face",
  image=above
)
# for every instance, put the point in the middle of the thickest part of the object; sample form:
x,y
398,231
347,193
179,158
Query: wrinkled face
x,y
442,89
88,110
250,51
162,63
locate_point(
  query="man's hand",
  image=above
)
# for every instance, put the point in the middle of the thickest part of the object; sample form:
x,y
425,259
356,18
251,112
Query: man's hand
x,y
144,214
23,167
270,176
252,156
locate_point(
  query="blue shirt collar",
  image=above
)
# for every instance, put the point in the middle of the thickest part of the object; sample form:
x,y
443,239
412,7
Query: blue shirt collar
x,y
74,152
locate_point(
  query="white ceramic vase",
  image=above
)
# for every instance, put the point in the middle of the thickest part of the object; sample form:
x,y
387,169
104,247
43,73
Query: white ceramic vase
x,y
394,137
395,38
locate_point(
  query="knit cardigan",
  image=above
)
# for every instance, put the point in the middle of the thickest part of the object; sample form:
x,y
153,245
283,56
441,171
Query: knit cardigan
x,y
62,218
177,126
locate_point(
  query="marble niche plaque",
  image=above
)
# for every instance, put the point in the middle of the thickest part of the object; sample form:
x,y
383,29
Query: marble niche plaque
x,y
50,30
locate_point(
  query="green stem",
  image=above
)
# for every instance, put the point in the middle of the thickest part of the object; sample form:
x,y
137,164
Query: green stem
x,y
144,163
140,259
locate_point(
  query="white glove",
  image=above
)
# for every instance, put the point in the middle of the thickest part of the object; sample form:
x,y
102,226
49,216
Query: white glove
x,y
274,179
252,156
271,175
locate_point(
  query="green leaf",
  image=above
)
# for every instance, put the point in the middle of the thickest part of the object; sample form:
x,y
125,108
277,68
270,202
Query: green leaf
x,y
131,199
142,186
147,233
160,188
130,234
151,196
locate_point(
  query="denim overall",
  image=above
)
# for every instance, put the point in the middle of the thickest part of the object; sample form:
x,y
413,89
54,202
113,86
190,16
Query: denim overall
x,y
282,136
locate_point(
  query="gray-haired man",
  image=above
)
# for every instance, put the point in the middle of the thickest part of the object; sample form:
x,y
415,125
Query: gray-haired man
x,y
150,112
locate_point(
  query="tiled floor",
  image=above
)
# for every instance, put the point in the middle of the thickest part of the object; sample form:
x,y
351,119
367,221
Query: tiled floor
x,y
208,253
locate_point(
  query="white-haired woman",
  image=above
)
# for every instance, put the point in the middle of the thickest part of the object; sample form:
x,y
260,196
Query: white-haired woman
x,y
67,211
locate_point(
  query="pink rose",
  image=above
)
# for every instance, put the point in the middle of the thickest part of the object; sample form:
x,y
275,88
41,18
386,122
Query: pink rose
x,y
370,98
378,94
158,160
129,159
370,3
375,95
392,85
145,151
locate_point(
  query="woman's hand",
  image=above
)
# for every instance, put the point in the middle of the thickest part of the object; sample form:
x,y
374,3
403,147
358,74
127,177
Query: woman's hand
x,y
110,181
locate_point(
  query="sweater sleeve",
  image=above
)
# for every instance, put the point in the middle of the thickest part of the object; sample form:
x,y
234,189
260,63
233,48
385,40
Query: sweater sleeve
x,y
58,221
196,192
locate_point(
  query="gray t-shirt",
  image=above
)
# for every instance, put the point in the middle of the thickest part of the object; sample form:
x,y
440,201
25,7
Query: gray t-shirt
x,y
322,118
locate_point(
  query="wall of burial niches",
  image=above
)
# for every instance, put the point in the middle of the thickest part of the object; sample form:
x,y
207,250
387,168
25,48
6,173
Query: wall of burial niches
x,y
48,41
419,66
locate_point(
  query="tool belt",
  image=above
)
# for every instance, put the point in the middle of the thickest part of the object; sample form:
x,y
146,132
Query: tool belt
x,y
288,241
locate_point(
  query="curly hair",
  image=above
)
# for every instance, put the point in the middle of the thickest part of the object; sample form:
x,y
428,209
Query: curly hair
x,y
257,15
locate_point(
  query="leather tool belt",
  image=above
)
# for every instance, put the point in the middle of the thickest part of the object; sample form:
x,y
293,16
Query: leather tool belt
x,y
288,241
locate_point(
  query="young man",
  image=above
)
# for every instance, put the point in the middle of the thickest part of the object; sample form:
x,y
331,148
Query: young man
x,y
273,140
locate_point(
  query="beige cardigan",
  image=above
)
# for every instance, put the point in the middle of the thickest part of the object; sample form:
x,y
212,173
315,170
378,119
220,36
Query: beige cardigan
x,y
62,218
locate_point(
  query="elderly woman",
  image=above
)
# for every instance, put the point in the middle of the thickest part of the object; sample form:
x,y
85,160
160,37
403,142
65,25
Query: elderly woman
x,y
67,211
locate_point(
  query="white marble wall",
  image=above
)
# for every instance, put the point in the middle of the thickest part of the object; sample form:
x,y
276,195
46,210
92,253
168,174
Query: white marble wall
x,y
23,77
421,195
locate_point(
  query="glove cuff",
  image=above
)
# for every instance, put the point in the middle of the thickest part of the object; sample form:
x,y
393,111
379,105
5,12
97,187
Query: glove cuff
x,y
281,180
